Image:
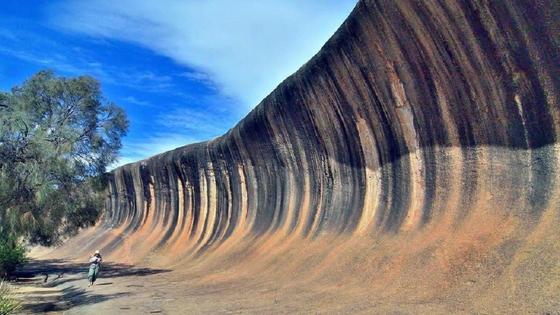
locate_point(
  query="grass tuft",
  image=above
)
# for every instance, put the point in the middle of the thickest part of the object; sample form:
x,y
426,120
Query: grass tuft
x,y
9,304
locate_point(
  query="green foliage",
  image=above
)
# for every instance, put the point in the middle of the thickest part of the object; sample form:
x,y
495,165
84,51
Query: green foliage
x,y
57,136
8,303
12,256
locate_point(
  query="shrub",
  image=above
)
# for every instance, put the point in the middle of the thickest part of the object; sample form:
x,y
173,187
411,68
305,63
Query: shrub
x,y
12,256
8,303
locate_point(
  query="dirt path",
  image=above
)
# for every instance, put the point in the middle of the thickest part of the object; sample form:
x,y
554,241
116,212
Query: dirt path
x,y
59,286
124,289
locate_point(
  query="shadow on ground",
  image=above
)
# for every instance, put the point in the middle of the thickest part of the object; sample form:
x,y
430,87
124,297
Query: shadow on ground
x,y
59,275
71,297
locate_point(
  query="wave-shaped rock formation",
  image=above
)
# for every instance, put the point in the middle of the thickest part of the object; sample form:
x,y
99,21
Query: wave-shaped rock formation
x,y
415,155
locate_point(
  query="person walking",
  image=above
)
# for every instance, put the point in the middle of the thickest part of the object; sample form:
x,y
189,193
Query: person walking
x,y
95,264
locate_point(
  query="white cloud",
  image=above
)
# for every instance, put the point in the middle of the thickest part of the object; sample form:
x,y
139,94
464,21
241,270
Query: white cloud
x,y
245,47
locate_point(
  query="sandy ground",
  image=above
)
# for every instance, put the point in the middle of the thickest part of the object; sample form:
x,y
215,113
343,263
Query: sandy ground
x,y
494,265
134,290
491,274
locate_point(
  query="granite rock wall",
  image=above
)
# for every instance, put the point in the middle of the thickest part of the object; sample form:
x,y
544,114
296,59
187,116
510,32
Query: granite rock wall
x,y
414,114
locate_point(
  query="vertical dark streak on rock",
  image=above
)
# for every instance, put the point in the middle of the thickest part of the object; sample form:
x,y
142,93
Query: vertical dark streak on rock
x,y
407,100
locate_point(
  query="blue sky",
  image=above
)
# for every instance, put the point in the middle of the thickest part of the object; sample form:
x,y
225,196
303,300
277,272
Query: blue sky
x,y
184,71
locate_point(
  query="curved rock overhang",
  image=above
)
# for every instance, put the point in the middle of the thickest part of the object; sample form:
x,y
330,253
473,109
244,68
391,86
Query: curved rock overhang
x,y
428,128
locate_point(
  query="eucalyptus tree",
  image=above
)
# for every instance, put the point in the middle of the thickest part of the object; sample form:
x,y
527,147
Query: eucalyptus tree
x,y
57,137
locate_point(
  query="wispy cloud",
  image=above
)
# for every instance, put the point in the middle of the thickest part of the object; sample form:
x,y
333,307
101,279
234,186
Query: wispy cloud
x,y
8,34
183,125
245,47
198,76
77,61
138,79
133,100
38,58
143,148
204,123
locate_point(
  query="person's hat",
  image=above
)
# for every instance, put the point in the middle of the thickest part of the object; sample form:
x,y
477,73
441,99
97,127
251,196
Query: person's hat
x,y
97,251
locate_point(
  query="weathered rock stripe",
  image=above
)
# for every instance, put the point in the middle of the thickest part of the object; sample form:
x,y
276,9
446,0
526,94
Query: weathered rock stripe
x,y
415,113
